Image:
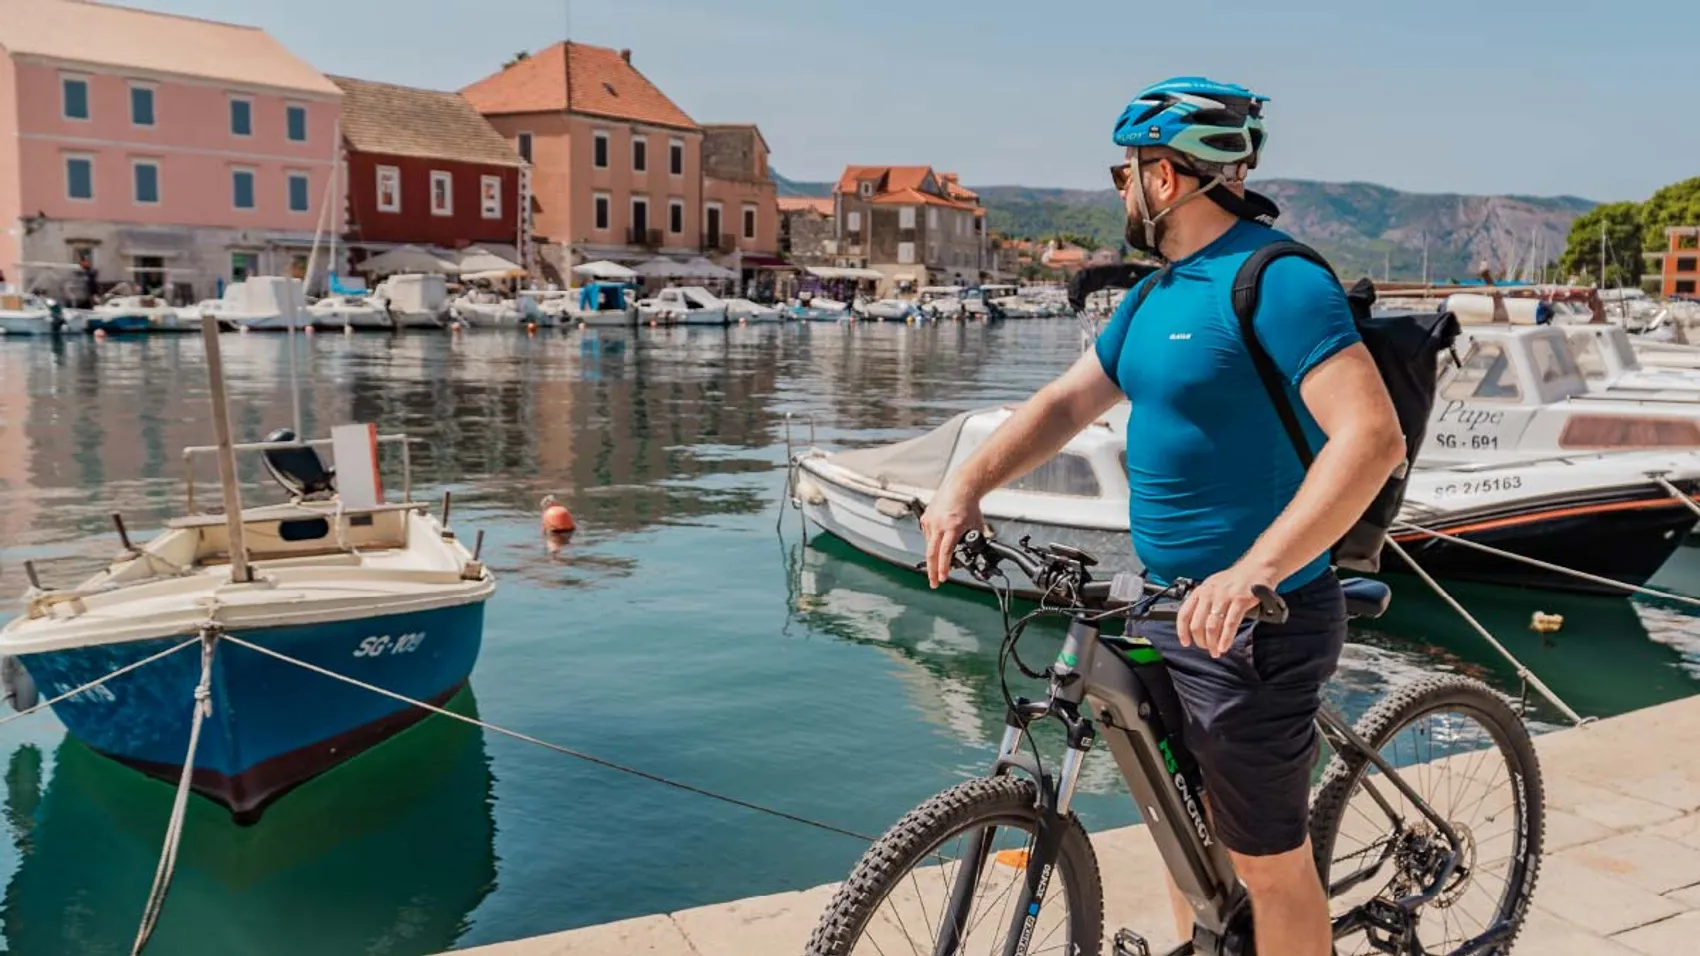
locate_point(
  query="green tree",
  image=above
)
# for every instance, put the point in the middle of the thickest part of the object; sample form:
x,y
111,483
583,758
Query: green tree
x,y
1675,205
1623,229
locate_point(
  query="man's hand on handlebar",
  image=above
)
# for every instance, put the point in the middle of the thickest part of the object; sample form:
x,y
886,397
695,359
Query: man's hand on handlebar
x,y
1211,615
948,517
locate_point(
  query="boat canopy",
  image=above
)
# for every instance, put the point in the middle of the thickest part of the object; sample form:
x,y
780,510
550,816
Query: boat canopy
x,y
919,462
841,272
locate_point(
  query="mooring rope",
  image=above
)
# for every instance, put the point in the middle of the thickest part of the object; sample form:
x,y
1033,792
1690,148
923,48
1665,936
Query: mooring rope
x,y
180,804
568,751
1677,493
1543,565
1523,672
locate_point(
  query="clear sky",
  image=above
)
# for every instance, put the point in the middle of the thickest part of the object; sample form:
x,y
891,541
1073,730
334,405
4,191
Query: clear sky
x,y
1504,96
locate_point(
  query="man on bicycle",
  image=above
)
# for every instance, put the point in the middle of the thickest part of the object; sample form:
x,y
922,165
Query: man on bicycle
x,y
1218,494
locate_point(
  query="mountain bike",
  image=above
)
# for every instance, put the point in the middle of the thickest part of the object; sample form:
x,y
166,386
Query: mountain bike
x,y
1426,826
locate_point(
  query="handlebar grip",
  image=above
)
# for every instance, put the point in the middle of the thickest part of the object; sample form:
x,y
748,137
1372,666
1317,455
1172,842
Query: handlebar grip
x,y
1271,609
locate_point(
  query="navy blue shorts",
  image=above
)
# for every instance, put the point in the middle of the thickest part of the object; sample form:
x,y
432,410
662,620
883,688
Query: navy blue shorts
x,y
1251,715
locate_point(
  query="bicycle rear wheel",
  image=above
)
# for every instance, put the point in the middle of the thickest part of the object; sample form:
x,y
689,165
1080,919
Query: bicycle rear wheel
x,y
896,899
1462,748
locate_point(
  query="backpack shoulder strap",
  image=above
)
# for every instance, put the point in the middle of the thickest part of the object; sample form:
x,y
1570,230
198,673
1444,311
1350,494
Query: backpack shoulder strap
x,y
1247,289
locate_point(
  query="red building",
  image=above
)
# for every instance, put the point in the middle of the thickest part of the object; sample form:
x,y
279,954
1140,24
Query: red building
x,y
1681,272
425,168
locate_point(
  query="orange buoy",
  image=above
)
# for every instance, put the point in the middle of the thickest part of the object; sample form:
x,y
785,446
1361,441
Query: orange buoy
x,y
456,327
531,328
308,330
581,326
100,335
556,518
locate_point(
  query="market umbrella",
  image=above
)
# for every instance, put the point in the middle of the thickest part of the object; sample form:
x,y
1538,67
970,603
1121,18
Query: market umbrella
x,y
408,259
603,269
705,269
480,261
665,269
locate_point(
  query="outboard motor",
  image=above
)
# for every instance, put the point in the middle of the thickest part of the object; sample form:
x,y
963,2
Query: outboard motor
x,y
300,471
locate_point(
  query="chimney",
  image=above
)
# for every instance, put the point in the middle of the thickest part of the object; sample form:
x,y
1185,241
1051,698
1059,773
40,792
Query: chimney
x,y
627,56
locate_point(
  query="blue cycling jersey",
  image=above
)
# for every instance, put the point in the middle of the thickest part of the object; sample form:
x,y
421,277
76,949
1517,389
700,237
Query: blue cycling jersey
x,y
1209,465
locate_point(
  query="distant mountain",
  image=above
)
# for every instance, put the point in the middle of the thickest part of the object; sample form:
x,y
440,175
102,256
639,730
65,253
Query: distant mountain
x,y
1363,228
792,187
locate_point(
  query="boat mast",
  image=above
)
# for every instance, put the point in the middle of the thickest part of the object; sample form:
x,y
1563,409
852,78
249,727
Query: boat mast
x,y
238,546
1425,259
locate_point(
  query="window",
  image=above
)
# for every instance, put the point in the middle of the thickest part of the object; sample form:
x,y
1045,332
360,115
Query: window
x,y
1685,264
148,273
604,202
599,150
244,265
389,189
1552,360
865,190
676,216
74,94
1586,350
711,224
676,157
442,193
141,105
299,201
242,188
146,175
749,222
241,116
640,214
1611,431
1688,241
640,154
906,252
1065,474
490,197
298,266
1484,374
79,177
525,146
295,123
932,218
906,217
1684,287
853,222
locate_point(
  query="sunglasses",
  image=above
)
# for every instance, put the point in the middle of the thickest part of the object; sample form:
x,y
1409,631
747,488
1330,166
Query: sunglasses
x,y
1122,173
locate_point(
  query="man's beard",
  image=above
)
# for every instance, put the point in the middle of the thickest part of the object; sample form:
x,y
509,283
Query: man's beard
x,y
1134,233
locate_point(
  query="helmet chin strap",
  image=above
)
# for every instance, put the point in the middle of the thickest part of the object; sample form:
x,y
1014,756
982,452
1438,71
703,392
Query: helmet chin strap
x,y
1150,221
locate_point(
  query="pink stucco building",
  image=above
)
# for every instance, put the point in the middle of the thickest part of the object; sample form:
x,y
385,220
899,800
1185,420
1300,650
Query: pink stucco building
x,y
167,151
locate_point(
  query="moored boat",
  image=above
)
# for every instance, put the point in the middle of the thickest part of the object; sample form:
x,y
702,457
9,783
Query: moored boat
x,y
27,314
376,591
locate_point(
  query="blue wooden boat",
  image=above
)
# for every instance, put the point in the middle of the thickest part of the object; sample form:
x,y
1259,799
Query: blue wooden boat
x,y
380,593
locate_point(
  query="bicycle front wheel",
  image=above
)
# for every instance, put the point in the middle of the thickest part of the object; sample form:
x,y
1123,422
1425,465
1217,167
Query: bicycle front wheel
x,y
1467,754
899,897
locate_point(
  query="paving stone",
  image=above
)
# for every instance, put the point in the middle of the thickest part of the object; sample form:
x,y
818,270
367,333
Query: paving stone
x,y
1609,808
1664,938
1688,896
776,924
1684,830
1650,862
644,936
1547,935
1597,902
1565,829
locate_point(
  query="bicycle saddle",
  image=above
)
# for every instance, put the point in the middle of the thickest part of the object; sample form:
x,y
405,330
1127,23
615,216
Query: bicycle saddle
x,y
1366,598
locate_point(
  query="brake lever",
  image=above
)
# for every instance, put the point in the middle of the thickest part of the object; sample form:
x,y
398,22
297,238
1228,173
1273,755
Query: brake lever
x,y
1271,608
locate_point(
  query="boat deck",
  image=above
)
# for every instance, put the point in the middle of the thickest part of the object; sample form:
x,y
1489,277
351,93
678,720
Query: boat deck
x,y
1621,874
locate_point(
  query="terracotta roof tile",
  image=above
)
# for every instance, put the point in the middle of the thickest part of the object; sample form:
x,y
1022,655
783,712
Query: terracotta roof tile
x,y
403,121
592,80
917,197
115,36
822,205
893,178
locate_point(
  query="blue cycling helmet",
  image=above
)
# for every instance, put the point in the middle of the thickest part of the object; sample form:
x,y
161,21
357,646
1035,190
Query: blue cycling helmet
x,y
1219,123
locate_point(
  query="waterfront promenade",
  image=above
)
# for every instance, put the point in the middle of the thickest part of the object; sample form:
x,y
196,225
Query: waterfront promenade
x,y
1621,875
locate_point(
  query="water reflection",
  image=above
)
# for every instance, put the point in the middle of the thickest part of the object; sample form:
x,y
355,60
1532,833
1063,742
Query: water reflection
x,y
387,854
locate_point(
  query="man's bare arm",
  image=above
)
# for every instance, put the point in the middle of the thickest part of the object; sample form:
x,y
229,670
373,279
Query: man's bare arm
x,y
1038,429
1347,398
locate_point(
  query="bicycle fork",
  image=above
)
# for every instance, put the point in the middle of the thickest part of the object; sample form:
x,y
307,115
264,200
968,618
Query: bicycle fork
x,y
1056,795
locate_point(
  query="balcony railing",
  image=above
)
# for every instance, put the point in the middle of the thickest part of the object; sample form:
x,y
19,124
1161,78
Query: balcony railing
x,y
648,238
719,242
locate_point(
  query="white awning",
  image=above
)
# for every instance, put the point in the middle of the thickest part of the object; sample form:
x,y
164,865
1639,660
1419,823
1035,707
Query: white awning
x,y
840,272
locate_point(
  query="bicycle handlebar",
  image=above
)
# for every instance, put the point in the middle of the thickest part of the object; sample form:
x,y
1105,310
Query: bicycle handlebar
x,y
1050,571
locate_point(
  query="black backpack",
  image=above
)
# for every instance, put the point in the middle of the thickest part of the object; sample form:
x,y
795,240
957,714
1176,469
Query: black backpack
x,y
1406,348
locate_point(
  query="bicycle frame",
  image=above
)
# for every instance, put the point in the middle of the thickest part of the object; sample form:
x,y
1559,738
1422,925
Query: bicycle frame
x,y
1137,709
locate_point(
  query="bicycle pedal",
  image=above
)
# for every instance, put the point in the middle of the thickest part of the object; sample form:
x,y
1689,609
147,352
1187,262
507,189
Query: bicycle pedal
x,y
1129,943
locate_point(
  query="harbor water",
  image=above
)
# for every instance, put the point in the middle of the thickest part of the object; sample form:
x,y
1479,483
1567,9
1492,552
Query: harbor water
x,y
686,630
